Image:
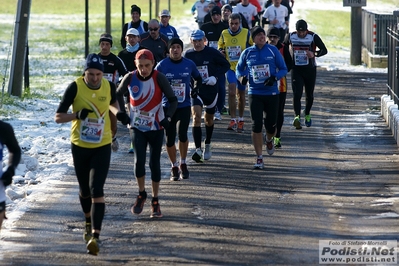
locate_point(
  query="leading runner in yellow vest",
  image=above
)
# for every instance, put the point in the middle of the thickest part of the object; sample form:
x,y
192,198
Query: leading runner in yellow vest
x,y
91,97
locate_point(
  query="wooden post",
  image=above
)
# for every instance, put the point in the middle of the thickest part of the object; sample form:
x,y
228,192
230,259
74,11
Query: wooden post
x,y
108,16
19,48
86,28
356,36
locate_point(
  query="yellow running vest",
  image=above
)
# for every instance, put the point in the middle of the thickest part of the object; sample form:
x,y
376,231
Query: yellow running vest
x,y
234,45
96,130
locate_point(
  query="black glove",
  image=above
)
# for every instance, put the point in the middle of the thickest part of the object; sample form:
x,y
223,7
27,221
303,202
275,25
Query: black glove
x,y
82,114
165,123
123,117
194,92
243,80
270,81
7,176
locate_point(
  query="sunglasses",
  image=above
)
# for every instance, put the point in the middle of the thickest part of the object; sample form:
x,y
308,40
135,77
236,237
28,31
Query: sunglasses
x,y
153,29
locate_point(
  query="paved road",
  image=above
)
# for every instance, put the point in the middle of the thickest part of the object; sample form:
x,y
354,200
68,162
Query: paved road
x,y
334,180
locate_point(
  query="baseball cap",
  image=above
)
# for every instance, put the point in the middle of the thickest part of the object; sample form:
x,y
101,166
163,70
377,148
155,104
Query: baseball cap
x,y
216,10
144,54
197,35
132,31
164,13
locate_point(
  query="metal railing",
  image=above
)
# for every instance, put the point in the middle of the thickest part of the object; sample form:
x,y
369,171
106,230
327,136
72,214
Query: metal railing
x,y
393,57
374,31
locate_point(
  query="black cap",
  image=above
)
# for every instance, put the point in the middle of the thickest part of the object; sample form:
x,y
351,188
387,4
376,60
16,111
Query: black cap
x,y
301,25
216,10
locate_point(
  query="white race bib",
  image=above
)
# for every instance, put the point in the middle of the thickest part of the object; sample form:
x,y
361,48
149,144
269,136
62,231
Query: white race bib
x,y
260,73
92,130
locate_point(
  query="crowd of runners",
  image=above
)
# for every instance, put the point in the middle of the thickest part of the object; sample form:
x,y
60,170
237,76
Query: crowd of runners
x,y
156,89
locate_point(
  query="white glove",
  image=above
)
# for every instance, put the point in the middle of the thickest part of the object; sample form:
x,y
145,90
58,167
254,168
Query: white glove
x,y
210,81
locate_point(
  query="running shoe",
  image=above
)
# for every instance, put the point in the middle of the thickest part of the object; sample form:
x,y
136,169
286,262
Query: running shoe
x,y
184,173
217,116
131,150
270,147
137,208
297,122
308,120
240,127
258,164
197,156
174,173
155,210
93,246
115,145
277,142
224,111
87,233
232,125
208,152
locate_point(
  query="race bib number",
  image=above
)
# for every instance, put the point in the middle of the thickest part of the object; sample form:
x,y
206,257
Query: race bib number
x,y
301,58
213,44
143,121
179,88
203,70
109,77
91,130
260,73
234,52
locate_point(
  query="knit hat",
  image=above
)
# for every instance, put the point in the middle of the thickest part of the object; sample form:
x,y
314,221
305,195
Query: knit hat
x,y
256,30
135,8
227,7
94,61
301,25
175,41
216,10
144,54
105,37
273,32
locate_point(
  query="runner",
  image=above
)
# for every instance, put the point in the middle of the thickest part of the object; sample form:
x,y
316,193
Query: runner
x,y
147,119
114,68
273,35
211,64
231,43
7,139
262,66
212,32
303,44
91,137
179,72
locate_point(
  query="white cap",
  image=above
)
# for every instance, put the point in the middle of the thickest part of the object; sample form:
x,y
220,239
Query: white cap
x,y
164,13
132,31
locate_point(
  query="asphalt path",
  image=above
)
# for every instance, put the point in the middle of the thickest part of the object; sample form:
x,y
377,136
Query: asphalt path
x,y
334,180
